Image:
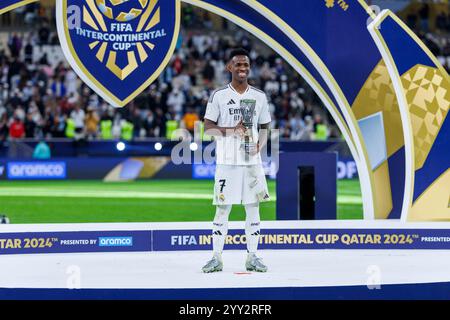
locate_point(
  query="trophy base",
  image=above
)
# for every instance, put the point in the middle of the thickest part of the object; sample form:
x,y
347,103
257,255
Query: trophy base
x,y
248,148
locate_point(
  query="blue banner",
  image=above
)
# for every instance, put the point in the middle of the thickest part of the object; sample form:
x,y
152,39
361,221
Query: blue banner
x,y
201,239
7,5
346,169
75,241
95,168
170,240
43,170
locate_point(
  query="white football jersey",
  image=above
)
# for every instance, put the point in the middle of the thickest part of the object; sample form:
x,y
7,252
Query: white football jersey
x,y
224,109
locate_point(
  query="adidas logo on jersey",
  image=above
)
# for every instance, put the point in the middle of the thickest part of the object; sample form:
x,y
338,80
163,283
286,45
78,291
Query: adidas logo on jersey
x,y
231,102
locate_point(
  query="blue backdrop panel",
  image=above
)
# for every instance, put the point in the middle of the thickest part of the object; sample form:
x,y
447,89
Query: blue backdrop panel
x,y
6,5
325,168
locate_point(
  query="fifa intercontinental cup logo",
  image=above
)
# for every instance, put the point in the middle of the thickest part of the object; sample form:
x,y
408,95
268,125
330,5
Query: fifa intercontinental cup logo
x,y
121,26
118,47
247,111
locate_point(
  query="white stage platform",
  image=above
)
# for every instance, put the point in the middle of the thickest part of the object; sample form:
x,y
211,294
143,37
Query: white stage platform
x,y
168,273
182,270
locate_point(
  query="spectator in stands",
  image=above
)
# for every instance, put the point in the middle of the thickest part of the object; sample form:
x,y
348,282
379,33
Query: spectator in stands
x,y
78,117
19,113
48,127
59,127
15,45
4,93
149,124
14,69
176,101
448,23
424,14
137,119
106,124
441,22
44,60
30,15
116,126
42,151
272,86
298,127
411,20
44,34
33,123
92,120
320,128
58,87
15,101
159,123
28,51
177,64
17,128
189,119
208,73
4,131
71,81
296,102
309,129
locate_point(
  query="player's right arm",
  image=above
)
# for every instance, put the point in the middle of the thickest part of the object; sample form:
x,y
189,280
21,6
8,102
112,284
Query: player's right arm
x,y
212,117
212,129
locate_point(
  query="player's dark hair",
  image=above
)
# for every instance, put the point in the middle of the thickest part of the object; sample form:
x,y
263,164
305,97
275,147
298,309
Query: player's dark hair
x,y
238,52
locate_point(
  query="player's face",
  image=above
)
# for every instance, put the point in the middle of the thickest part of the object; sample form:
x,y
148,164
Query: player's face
x,y
239,67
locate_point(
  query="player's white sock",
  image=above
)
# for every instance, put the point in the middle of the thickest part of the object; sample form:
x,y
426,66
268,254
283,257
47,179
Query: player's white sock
x,y
252,226
220,228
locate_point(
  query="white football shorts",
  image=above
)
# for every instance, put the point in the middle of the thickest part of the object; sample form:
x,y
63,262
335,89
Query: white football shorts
x,y
240,184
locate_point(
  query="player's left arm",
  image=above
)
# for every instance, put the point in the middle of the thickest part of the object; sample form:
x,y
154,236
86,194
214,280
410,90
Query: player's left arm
x,y
264,125
263,135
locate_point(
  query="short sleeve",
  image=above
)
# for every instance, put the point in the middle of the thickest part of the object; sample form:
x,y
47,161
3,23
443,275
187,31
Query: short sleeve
x,y
212,109
264,116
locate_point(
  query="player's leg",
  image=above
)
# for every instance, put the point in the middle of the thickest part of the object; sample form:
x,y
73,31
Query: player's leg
x,y
252,226
220,231
254,191
227,191
252,233
220,228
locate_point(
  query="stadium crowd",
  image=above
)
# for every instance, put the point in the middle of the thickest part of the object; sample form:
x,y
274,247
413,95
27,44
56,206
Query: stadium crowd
x,y
437,41
43,99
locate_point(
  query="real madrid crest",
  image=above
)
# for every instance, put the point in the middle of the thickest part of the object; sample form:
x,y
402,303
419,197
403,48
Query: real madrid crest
x,y
118,47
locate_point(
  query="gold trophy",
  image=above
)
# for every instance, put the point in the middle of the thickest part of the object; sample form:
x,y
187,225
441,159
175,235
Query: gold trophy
x,y
247,111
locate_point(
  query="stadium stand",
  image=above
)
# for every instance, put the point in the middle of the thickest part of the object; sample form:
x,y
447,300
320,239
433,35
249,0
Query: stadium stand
x,y
39,92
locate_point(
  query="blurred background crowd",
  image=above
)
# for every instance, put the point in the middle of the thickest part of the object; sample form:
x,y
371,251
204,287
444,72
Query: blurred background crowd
x,y
41,97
